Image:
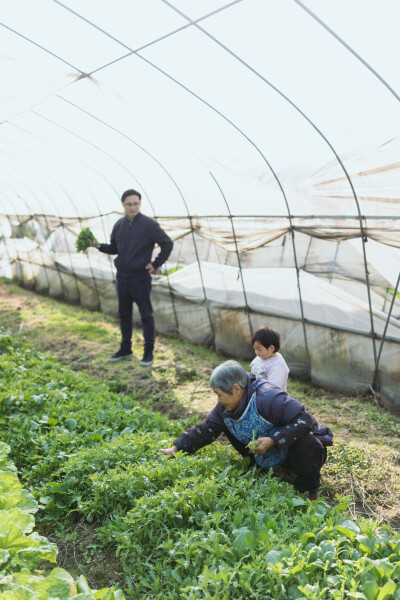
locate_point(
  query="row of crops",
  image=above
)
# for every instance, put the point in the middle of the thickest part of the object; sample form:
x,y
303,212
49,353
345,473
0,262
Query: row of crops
x,y
198,527
22,549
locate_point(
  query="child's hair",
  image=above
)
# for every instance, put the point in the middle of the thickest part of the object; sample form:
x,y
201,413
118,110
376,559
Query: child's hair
x,y
267,337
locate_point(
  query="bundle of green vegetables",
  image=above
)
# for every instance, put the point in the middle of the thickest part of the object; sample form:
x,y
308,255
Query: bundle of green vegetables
x,y
85,239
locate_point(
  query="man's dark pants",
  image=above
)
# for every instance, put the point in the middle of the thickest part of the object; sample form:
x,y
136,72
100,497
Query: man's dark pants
x,y
305,458
135,289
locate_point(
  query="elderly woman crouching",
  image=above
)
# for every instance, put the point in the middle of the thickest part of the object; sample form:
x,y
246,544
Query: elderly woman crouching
x,y
263,422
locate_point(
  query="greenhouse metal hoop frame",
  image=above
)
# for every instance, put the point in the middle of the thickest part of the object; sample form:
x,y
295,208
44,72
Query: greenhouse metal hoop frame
x,y
291,229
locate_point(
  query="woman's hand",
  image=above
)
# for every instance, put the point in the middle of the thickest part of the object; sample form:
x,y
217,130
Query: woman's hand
x,y
95,245
168,452
263,444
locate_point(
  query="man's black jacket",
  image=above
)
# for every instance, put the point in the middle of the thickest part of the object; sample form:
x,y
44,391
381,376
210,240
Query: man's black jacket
x,y
134,243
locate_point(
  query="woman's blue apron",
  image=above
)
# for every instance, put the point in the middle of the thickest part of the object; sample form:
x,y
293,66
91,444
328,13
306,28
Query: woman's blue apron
x,y
251,426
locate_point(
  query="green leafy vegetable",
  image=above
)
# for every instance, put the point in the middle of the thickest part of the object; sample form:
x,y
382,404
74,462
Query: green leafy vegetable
x,y
253,444
85,239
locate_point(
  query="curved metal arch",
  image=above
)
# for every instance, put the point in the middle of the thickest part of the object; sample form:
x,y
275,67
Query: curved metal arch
x,y
338,158
61,222
50,178
90,166
322,135
390,89
274,174
35,136
83,183
126,169
375,383
24,37
276,179
61,149
266,162
9,218
112,158
134,178
247,309
165,170
191,23
41,156
131,51
348,47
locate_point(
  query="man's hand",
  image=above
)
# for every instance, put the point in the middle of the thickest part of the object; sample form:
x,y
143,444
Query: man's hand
x,y
168,452
150,269
95,245
264,444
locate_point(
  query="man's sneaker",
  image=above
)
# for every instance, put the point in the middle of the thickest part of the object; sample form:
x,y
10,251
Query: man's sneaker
x,y
147,358
119,356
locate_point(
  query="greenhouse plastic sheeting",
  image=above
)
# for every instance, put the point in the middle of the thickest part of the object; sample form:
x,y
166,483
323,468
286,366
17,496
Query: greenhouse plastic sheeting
x,y
264,136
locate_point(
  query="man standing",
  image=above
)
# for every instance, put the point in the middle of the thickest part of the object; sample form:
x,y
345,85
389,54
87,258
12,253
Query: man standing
x,y
133,238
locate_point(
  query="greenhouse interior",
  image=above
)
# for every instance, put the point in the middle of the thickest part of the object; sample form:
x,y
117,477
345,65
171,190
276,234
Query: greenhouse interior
x,y
264,137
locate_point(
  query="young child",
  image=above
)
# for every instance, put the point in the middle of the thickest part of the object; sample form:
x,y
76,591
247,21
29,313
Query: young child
x,y
269,363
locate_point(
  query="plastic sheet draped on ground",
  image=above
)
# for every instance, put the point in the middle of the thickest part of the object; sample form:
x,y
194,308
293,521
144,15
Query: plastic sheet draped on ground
x,y
205,304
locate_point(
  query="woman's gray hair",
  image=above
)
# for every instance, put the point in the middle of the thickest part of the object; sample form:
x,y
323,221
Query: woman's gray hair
x,y
227,374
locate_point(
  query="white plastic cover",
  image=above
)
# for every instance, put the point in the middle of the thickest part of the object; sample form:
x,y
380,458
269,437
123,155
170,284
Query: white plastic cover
x,y
262,135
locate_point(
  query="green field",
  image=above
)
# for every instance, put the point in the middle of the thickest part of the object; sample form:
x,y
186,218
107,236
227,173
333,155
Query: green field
x,y
84,434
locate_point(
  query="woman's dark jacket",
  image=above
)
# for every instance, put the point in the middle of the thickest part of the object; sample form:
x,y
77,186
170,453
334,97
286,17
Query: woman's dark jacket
x,y
273,404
